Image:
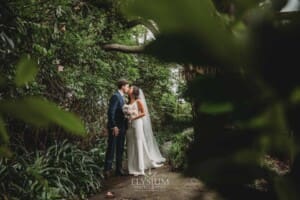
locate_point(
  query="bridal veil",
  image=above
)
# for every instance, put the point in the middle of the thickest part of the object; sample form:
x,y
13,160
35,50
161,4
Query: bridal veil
x,y
148,132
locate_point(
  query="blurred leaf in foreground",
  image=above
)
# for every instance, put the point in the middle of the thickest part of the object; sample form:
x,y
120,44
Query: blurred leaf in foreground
x,y
41,113
216,108
26,71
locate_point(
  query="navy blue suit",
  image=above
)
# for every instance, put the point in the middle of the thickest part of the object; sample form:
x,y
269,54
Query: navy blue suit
x,y
116,118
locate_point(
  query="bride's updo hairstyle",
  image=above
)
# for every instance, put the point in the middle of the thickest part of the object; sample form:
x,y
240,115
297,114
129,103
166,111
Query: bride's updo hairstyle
x,y
135,91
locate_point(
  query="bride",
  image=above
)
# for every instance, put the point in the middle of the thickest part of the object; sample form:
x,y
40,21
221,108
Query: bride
x,y
142,150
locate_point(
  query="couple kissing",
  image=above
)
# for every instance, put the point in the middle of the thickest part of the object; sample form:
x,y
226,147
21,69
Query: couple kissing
x,y
130,121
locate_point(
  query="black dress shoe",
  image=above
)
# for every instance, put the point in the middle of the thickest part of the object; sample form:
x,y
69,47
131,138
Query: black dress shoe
x,y
121,173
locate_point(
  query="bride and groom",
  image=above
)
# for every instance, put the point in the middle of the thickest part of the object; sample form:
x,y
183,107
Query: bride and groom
x,y
131,120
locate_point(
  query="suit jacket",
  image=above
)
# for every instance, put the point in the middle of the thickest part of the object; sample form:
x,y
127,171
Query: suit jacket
x,y
115,112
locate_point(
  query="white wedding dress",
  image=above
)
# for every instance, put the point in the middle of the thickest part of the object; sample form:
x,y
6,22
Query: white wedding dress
x,y
142,149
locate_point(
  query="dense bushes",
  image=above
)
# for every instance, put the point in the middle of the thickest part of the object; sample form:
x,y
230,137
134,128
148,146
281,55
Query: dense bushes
x,y
66,38
63,171
178,150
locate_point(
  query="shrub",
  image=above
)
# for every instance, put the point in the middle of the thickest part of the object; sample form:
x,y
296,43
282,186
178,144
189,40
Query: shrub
x,y
63,171
179,147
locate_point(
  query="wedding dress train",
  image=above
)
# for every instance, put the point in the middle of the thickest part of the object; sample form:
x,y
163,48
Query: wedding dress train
x,y
141,154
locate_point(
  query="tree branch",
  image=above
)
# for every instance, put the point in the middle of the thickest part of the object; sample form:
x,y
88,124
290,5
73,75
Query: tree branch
x,y
123,48
149,24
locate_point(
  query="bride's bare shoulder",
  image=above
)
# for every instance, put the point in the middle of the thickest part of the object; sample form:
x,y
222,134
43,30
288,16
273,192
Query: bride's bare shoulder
x,y
139,102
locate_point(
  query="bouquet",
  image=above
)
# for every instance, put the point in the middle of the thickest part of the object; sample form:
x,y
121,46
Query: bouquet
x,y
127,112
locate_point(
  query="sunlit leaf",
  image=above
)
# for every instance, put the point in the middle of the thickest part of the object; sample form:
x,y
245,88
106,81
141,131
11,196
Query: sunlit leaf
x,y
295,96
258,121
41,113
216,108
26,71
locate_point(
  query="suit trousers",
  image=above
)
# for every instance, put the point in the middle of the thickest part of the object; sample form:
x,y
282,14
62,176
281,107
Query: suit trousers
x,y
115,144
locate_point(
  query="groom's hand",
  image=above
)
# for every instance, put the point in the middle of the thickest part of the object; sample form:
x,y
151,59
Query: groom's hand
x,y
115,131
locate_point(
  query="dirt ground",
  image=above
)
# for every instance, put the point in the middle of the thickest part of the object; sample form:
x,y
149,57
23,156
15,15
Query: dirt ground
x,y
157,184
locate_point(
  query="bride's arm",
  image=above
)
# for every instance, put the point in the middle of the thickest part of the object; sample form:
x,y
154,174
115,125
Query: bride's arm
x,y
141,110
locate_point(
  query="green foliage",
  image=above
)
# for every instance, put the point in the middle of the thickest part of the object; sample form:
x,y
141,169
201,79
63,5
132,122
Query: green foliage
x,y
164,136
35,110
177,114
64,39
64,170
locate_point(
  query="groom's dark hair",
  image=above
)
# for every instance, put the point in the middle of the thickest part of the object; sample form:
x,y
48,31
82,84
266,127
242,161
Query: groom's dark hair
x,y
121,83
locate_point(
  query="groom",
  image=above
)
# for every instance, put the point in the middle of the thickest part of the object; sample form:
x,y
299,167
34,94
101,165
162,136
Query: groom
x,y
117,125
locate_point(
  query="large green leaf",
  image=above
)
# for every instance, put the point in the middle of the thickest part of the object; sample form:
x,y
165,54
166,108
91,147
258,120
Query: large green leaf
x,y
197,20
26,71
41,113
